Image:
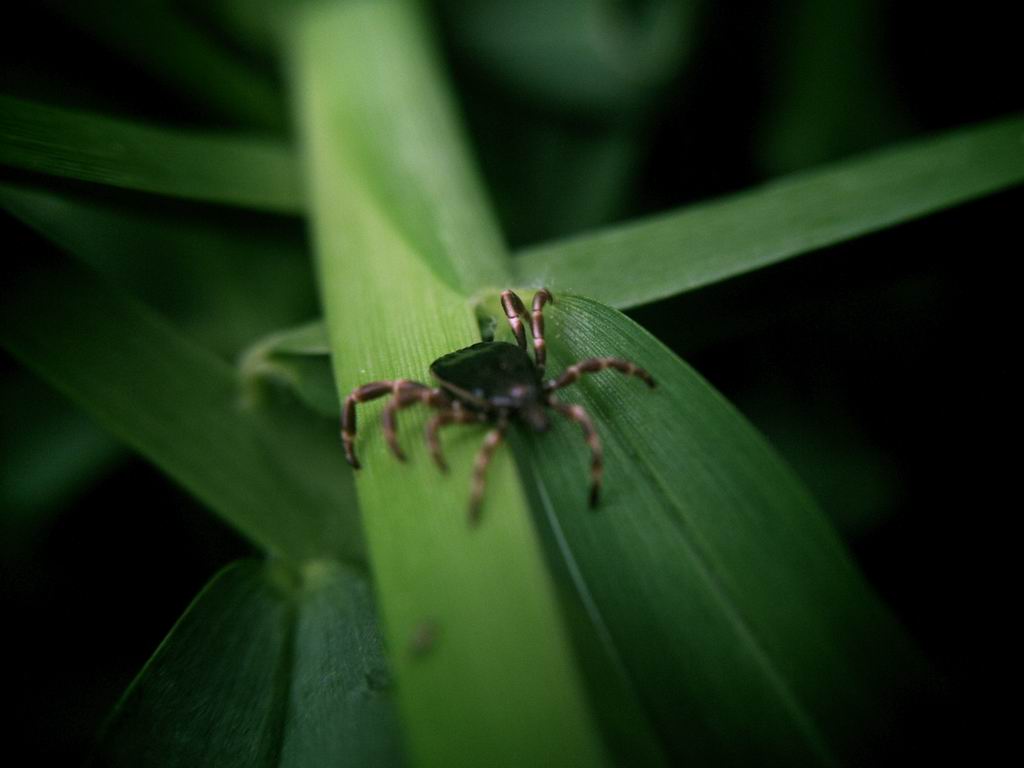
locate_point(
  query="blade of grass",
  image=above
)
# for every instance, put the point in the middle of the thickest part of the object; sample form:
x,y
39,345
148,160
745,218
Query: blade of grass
x,y
667,254
647,260
223,280
402,235
220,168
277,477
716,584
267,667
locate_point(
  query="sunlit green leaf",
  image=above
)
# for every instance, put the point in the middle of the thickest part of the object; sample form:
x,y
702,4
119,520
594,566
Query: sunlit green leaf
x,y
644,261
232,169
278,477
268,667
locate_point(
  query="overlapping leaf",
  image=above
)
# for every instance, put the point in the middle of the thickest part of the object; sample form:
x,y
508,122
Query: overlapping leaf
x,y
268,667
711,609
717,587
395,250
232,169
278,477
647,260
694,608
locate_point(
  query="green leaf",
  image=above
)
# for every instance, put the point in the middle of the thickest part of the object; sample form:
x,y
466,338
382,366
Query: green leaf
x,y
402,237
223,280
267,667
278,477
221,168
644,261
299,359
717,586
709,600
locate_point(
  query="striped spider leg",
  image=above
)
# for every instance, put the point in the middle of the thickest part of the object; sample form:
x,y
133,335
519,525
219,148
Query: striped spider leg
x,y
457,415
578,413
515,311
404,393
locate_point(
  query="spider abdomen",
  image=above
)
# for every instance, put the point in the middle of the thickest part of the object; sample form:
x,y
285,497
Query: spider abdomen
x,y
489,374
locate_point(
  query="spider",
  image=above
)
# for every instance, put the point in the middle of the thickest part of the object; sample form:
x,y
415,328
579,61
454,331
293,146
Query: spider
x,y
492,382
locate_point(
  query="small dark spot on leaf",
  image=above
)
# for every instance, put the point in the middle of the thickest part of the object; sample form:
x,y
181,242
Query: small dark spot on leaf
x,y
423,639
378,681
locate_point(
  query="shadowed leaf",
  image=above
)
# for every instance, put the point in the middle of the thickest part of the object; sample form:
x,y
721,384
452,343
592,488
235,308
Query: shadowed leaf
x,y
220,168
718,588
267,667
278,477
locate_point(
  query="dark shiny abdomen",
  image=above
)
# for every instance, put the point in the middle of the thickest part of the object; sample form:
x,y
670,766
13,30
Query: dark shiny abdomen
x,y
491,372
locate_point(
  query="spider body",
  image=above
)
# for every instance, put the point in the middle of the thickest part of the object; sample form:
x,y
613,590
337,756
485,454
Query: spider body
x,y
490,383
494,377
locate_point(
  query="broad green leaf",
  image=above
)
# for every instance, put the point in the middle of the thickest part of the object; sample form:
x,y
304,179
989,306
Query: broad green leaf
x,y
647,260
267,667
402,236
278,477
231,169
223,280
716,584
298,358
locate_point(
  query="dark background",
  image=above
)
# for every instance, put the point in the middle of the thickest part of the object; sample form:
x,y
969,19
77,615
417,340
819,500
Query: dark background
x,y
878,368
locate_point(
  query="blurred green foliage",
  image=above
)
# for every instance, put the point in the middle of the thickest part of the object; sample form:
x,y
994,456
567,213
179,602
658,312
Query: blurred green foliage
x,y
867,366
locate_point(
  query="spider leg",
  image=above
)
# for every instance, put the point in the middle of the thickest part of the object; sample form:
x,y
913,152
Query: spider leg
x,y
578,414
540,354
593,365
454,415
483,458
407,393
364,394
515,312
